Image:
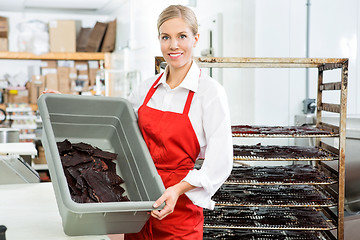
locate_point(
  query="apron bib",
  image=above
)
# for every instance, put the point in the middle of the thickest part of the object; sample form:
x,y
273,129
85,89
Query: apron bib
x,y
174,148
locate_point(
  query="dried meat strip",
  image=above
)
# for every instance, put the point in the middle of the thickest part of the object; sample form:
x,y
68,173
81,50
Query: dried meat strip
x,y
90,173
101,190
64,147
84,147
104,154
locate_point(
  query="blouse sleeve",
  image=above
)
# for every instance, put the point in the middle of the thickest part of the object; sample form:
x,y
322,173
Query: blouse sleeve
x,y
218,159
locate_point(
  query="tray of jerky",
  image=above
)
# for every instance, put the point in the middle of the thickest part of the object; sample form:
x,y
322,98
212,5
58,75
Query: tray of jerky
x,y
267,218
260,152
274,195
280,131
297,174
237,234
104,179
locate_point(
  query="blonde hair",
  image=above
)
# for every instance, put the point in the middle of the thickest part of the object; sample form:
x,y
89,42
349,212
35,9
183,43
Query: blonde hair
x,y
178,11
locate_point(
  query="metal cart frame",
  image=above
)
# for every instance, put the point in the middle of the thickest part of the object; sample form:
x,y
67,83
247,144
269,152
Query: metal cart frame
x,y
322,64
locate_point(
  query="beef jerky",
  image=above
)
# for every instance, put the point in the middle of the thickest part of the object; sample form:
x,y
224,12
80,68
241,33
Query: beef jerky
x,y
90,173
84,147
101,190
104,154
64,146
77,158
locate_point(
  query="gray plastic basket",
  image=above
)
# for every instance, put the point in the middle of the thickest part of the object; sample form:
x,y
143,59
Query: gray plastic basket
x,y
111,125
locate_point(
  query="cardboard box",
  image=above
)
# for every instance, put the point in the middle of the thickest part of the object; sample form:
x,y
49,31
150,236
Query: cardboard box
x,y
46,71
40,159
48,64
108,44
18,95
36,87
92,76
63,79
96,37
4,29
4,44
81,65
51,81
82,39
62,35
72,74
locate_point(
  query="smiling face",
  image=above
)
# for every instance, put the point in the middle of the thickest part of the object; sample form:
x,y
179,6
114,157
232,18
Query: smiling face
x,y
177,43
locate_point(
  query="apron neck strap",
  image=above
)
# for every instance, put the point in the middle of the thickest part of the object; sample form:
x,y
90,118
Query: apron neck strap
x,y
152,90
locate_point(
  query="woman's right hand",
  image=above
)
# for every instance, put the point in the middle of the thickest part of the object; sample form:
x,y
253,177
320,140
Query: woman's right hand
x,y
51,91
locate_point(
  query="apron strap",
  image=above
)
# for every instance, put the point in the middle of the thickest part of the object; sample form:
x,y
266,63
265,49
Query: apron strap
x,y
151,91
188,102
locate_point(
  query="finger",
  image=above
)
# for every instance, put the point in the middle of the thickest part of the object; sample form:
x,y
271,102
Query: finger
x,y
162,213
159,201
158,216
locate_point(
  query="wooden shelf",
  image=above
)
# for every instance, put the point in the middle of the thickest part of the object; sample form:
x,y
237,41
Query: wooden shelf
x,y
54,56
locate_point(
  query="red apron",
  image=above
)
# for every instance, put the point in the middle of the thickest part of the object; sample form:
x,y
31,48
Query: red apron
x,y
174,148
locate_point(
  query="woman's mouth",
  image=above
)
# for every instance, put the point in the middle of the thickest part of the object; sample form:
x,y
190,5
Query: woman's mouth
x,y
175,55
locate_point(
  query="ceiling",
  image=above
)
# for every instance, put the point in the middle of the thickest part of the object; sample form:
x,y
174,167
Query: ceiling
x,y
77,6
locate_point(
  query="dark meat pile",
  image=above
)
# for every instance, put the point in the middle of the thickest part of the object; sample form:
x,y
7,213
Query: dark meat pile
x,y
277,130
90,173
236,234
291,174
282,152
267,218
275,195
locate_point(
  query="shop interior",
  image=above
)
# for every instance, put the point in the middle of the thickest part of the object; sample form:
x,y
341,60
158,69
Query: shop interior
x,y
283,64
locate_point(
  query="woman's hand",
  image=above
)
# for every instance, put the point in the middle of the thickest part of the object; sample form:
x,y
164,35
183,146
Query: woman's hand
x,y
170,197
51,91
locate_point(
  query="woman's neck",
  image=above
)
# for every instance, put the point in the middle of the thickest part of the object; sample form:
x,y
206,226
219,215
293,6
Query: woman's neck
x,y
175,76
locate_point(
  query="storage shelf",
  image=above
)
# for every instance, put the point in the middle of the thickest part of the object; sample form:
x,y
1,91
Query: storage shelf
x,y
227,220
53,56
279,175
281,153
267,218
273,196
280,132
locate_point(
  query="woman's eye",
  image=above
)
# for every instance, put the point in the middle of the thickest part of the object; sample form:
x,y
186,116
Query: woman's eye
x,y
165,38
183,36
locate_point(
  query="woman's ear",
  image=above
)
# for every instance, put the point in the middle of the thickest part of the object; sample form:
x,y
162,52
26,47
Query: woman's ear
x,y
196,39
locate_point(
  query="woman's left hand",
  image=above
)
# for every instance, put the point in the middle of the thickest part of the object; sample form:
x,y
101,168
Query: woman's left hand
x,y
170,197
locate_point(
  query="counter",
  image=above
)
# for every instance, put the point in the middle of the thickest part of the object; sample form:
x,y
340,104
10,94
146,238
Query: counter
x,y
29,211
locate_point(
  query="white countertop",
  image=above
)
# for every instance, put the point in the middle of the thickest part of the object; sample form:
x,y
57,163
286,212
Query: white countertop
x,y
29,211
21,148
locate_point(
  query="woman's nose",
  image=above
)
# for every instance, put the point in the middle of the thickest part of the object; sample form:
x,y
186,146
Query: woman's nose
x,y
174,44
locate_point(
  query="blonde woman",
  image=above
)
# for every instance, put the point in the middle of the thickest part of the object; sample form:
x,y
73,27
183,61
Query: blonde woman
x,y
183,115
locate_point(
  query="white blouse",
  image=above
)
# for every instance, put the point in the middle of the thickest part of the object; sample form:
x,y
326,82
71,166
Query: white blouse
x,y
210,118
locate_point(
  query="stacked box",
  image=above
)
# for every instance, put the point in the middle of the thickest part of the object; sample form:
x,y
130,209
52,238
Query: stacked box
x,y
112,128
49,71
62,35
36,87
4,34
93,68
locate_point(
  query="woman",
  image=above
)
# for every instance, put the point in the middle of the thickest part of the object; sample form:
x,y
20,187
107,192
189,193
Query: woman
x,y
183,115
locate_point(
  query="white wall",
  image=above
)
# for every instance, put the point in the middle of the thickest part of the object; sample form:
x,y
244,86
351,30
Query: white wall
x,y
237,36
263,28
258,28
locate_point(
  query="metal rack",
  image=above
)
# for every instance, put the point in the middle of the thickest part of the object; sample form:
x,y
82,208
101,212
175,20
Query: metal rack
x,y
322,64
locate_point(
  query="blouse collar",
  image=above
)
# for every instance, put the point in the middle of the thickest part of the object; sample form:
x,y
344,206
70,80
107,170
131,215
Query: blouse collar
x,y
191,80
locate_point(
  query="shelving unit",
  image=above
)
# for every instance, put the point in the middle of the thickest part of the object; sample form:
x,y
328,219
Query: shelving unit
x,y
288,207
76,56
57,56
